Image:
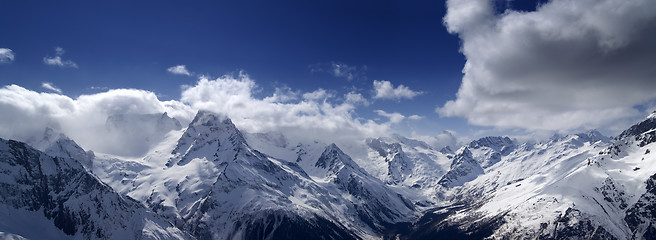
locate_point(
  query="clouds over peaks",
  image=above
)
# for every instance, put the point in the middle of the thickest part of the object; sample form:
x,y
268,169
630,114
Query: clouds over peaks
x,y
567,65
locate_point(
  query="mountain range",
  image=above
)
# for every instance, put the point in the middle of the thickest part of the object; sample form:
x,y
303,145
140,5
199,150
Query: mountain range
x,y
209,180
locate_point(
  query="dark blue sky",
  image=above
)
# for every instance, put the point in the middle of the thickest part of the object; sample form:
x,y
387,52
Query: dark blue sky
x,y
130,44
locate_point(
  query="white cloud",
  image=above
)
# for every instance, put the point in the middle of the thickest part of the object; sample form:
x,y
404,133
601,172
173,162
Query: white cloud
x,y
340,70
179,69
59,51
567,65
314,117
51,87
282,95
57,60
27,113
319,94
393,117
446,138
6,55
99,88
355,99
415,117
385,90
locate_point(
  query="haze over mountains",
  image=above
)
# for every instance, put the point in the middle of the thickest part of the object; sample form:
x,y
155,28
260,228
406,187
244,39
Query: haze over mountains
x,y
209,180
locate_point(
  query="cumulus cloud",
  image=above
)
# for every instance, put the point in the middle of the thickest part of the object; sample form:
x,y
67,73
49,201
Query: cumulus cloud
x,y
6,55
51,87
340,70
57,59
179,69
355,99
415,117
385,90
319,94
393,117
567,65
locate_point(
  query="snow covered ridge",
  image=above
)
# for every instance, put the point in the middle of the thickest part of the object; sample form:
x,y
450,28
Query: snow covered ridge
x,y
209,180
581,186
57,193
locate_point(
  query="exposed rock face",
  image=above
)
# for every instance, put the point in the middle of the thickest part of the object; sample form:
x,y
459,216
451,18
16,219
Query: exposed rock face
x,y
463,169
641,217
73,199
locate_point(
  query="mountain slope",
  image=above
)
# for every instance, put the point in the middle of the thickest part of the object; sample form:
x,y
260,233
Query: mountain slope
x,y
408,165
579,186
43,189
211,183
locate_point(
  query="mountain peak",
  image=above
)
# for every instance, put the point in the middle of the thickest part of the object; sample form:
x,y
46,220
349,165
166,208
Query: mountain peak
x,y
464,168
592,136
645,131
212,121
492,142
49,137
642,127
652,115
334,159
205,117
208,133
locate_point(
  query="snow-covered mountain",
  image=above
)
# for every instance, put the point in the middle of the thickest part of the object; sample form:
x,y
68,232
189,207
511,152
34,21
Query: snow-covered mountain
x,y
211,181
409,164
581,186
54,197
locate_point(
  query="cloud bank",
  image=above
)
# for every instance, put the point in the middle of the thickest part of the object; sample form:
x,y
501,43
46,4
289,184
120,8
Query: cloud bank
x,y
567,65
317,115
27,113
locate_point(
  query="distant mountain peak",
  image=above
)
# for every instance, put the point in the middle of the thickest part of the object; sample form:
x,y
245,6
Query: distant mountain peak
x,y
57,144
592,136
446,150
333,159
492,142
464,168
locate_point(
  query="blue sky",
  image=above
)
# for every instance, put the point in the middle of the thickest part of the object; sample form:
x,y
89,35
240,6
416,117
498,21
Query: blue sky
x,y
297,44
131,44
